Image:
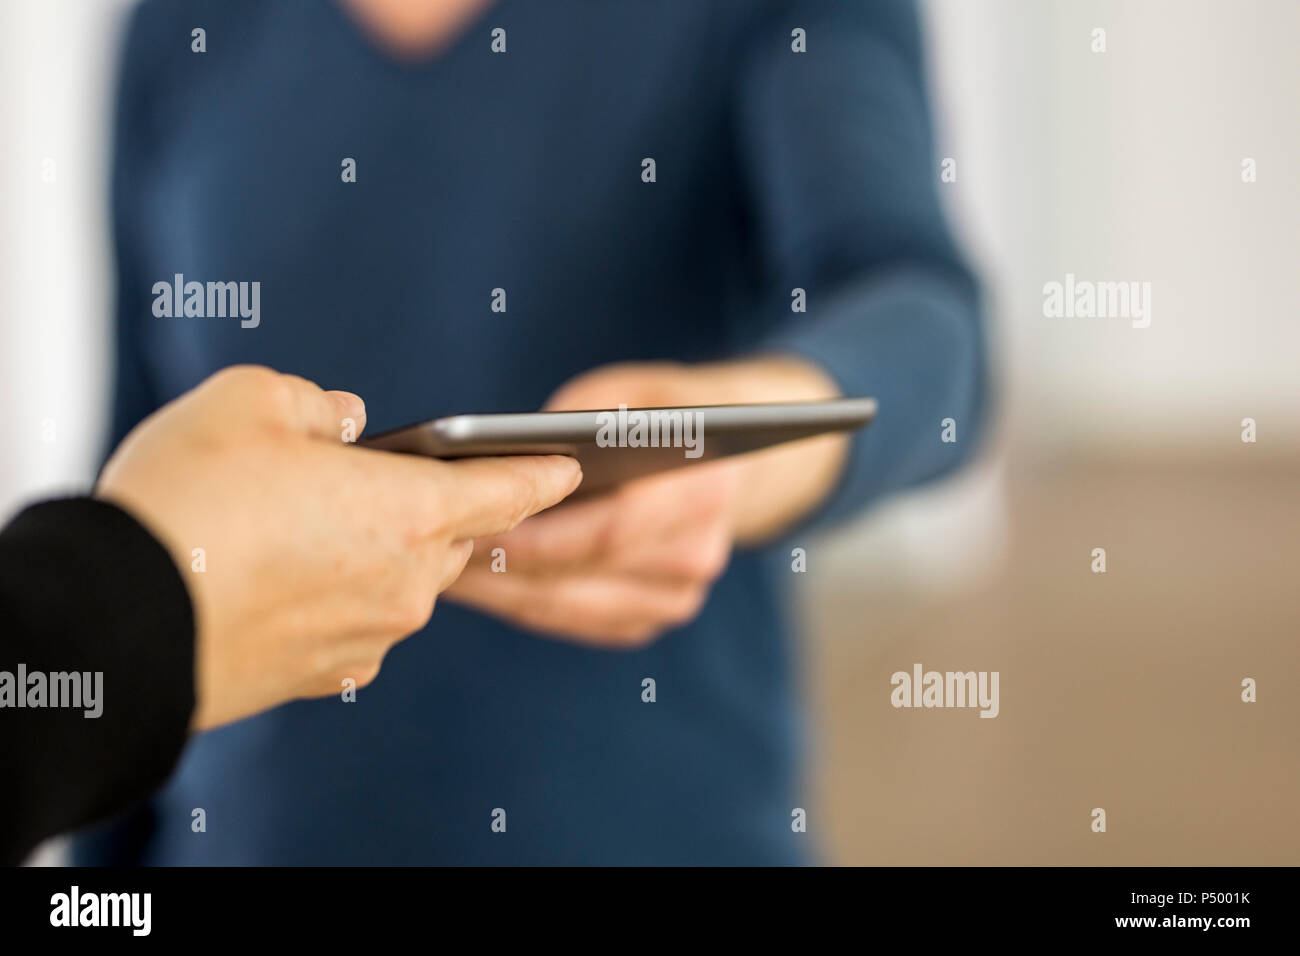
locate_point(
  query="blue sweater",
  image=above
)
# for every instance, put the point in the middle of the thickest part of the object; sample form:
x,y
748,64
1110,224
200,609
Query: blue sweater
x,y
523,171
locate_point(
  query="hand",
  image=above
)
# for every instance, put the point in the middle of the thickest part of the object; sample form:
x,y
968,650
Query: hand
x,y
613,571
317,557
619,570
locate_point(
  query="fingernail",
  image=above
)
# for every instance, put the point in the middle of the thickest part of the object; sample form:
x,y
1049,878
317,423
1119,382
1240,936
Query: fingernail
x,y
577,476
350,403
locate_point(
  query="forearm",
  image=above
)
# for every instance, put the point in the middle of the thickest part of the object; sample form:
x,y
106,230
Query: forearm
x,y
98,624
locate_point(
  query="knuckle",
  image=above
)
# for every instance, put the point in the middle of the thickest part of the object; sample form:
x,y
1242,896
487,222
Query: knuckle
x,y
274,393
516,516
363,674
246,377
321,660
703,563
684,606
428,560
411,609
528,497
692,604
336,679
712,557
637,635
607,538
421,609
423,516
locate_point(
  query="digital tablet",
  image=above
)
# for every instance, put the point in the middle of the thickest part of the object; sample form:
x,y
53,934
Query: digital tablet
x,y
618,444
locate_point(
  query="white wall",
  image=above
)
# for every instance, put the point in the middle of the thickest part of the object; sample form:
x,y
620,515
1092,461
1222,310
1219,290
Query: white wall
x,y
1122,165
1126,165
56,60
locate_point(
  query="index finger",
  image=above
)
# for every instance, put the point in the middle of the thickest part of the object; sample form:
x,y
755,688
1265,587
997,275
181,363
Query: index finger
x,y
485,496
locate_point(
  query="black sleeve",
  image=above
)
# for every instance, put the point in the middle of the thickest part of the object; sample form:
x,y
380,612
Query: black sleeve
x,y
94,618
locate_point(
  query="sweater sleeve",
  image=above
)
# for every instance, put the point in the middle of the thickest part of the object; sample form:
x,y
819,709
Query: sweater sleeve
x,y
96,668
134,131
837,157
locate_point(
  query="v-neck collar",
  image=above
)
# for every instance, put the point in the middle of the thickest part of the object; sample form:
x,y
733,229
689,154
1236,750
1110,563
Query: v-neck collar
x,y
372,47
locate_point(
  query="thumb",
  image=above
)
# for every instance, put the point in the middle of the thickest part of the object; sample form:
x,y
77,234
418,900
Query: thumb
x,y
321,414
348,407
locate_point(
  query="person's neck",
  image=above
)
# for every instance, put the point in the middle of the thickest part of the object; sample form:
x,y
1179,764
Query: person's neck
x,y
414,27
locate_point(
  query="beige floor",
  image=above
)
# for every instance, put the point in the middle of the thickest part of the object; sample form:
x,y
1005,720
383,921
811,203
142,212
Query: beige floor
x,y
1118,690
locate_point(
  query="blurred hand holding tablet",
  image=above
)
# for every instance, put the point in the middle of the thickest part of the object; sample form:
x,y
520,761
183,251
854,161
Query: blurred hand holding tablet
x,y
618,445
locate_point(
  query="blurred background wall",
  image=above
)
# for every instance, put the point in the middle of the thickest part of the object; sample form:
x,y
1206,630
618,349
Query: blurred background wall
x,y
1118,690
1121,690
